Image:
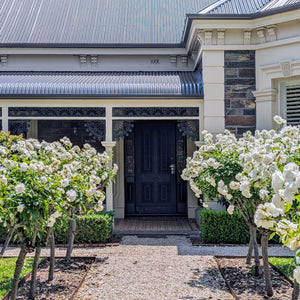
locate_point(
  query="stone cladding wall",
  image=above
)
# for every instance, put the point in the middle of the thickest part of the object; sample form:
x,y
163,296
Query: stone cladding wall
x,y
240,109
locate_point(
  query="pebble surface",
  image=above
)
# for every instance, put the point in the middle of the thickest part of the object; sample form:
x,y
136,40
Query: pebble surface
x,y
143,268
147,268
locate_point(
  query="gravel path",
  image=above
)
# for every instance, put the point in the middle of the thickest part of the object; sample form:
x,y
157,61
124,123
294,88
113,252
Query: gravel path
x,y
156,268
150,268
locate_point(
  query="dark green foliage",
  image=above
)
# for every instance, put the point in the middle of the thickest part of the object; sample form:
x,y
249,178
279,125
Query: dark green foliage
x,y
92,228
3,233
221,227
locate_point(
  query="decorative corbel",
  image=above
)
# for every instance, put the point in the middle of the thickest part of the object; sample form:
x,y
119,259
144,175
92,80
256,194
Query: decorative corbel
x,y
173,59
247,37
286,68
83,59
261,34
94,59
221,37
208,37
184,60
272,34
3,59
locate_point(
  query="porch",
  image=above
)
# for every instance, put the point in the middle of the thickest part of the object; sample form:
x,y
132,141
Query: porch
x,y
156,225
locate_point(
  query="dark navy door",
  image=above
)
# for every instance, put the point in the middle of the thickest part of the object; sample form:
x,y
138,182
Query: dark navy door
x,y
155,174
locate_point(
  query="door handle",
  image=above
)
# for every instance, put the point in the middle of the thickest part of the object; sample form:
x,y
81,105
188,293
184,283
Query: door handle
x,y
172,168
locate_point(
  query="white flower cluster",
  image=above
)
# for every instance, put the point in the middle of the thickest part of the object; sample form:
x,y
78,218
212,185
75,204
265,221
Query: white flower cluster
x,y
52,175
262,170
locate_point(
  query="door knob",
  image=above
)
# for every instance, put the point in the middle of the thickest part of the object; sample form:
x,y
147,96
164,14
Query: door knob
x,y
172,168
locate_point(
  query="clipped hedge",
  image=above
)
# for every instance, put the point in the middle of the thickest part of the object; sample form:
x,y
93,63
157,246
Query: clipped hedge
x,y
94,228
221,227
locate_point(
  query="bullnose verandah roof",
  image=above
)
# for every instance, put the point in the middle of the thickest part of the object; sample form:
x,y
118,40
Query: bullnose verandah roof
x,y
101,84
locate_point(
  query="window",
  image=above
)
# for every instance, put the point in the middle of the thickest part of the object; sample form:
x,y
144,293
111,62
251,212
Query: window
x,y
290,102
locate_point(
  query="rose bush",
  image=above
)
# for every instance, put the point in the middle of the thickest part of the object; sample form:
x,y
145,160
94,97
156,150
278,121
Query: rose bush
x,y
40,181
258,174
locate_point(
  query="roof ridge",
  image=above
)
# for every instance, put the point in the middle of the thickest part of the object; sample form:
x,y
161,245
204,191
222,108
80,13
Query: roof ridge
x,y
213,6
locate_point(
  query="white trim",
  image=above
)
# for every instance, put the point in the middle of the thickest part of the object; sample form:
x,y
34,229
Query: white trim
x,y
282,95
266,45
95,51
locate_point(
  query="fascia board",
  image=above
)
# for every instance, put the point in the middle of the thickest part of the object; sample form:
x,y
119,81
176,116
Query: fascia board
x,y
93,51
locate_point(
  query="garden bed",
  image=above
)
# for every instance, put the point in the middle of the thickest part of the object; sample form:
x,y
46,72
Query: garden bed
x,y
67,279
244,285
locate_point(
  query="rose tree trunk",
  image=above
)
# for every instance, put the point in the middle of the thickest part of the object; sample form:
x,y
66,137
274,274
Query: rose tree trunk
x,y
72,230
267,273
18,270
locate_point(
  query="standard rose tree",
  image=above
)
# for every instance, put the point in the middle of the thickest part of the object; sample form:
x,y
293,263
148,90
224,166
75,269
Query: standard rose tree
x,y
40,182
257,173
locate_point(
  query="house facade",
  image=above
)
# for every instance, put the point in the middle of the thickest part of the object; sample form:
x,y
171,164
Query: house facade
x,y
141,79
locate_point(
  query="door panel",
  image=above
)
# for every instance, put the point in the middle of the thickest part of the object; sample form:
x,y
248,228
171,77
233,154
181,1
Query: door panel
x,y
155,151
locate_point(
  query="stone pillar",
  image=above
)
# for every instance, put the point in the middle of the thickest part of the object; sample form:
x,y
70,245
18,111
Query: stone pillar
x,y
265,108
5,118
213,80
109,190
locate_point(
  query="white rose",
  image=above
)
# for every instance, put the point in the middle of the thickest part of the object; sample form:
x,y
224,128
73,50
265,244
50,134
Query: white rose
x,y
3,179
297,274
20,188
263,194
277,181
64,182
20,208
230,209
43,180
234,185
23,167
71,195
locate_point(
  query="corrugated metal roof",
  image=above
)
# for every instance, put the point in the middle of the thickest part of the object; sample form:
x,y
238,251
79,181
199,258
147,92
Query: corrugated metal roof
x,y
279,3
101,84
245,7
94,21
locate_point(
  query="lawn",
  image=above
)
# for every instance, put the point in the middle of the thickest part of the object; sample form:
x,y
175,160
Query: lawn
x,y
284,264
7,268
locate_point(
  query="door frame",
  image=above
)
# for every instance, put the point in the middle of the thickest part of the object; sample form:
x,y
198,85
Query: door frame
x,y
181,192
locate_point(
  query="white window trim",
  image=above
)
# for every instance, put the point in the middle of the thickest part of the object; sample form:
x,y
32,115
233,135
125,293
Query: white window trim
x,y
282,95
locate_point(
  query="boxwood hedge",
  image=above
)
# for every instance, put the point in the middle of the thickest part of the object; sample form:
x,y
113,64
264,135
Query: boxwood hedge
x,y
92,228
221,227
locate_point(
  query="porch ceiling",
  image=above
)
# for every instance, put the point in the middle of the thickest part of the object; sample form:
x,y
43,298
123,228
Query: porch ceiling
x,y
100,84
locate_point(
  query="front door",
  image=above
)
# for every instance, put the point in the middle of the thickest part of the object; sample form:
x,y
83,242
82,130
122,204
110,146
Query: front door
x,y
155,177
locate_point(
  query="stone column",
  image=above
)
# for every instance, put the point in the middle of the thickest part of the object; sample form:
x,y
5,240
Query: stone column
x,y
213,80
109,190
265,108
5,118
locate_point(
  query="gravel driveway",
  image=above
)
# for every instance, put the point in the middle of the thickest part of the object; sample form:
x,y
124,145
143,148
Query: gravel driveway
x,y
148,268
156,268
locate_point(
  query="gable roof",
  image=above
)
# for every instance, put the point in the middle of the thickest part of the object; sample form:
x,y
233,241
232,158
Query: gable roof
x,y
94,22
243,7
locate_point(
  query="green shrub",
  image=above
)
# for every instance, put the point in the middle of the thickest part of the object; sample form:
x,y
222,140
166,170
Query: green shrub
x,y
93,228
221,227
